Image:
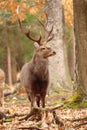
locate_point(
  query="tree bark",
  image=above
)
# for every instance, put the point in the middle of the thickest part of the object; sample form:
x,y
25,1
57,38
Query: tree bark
x,y
8,52
80,29
9,65
58,64
71,60
14,70
70,45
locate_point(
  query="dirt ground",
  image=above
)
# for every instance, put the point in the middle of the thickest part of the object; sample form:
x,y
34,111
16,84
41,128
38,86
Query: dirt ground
x,y
21,106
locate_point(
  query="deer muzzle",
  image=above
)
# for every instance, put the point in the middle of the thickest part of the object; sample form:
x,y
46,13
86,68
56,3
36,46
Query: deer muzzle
x,y
52,53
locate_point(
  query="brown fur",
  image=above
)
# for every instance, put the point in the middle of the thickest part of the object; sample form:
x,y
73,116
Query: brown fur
x,y
35,75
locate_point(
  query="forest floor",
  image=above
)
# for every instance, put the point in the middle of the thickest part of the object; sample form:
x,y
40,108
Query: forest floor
x,y
19,105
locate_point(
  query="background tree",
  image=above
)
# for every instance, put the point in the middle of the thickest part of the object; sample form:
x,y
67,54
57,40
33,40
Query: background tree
x,y
59,69
80,28
69,35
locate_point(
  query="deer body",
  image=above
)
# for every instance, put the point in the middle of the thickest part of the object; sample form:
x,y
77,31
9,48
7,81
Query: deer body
x,y
35,78
35,75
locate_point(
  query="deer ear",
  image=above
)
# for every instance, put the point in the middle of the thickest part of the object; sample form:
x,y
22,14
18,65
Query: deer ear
x,y
36,45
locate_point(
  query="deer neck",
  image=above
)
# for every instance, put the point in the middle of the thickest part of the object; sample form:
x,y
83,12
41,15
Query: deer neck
x,y
38,60
40,67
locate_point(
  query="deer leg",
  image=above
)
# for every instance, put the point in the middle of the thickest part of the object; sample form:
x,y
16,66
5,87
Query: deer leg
x,y
43,101
28,95
29,98
38,101
32,98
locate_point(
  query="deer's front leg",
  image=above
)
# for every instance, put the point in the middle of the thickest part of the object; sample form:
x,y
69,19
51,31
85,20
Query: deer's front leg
x,y
32,97
43,101
38,101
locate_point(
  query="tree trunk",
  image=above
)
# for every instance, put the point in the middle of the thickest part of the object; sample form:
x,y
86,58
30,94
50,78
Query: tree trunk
x,y
80,27
14,70
58,64
9,65
71,58
8,56
5,66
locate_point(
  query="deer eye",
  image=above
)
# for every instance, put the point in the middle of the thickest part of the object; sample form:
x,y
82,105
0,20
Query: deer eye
x,y
43,48
48,48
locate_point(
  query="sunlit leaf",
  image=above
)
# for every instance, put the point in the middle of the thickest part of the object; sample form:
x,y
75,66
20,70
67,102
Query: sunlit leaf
x,y
10,8
33,10
1,22
14,18
68,9
0,6
22,16
43,16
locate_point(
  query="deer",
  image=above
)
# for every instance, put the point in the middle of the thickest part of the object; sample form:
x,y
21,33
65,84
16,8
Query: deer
x,y
34,75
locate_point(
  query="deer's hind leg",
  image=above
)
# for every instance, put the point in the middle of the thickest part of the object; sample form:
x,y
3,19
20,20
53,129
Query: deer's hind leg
x,y
43,100
32,98
38,101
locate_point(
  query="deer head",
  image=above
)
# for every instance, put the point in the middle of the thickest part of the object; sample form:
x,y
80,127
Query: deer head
x,y
41,47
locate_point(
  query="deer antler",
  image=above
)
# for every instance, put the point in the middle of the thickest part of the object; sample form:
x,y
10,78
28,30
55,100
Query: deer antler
x,y
49,34
49,37
27,34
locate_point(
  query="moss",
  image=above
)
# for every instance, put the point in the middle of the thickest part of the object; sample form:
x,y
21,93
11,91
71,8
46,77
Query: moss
x,y
71,105
8,120
12,99
57,102
6,86
39,123
83,104
75,101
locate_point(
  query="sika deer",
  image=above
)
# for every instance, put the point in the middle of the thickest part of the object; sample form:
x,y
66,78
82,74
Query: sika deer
x,y
35,74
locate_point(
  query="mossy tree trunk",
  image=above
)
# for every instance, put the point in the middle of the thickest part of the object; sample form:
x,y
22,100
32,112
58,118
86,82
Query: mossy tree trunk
x,y
80,28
